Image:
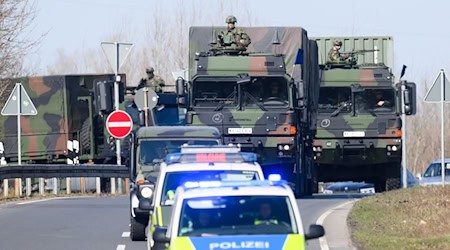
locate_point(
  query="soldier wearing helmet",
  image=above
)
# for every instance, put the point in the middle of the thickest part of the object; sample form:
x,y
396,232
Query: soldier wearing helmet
x,y
334,55
233,37
155,82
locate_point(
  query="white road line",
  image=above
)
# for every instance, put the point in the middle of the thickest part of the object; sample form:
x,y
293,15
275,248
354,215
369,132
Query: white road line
x,y
121,247
125,234
323,240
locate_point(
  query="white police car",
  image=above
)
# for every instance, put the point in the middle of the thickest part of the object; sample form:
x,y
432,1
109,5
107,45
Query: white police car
x,y
243,215
194,163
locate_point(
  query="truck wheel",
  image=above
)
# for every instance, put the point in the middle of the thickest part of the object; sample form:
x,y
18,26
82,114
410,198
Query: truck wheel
x,y
137,228
392,184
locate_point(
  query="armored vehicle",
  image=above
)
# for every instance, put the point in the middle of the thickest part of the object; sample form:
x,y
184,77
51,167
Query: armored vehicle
x,y
359,129
263,99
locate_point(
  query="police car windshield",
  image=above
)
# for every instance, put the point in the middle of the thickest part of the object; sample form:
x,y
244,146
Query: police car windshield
x,y
176,179
237,215
154,151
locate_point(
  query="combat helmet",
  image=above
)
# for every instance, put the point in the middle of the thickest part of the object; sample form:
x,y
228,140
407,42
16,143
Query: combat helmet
x,y
337,43
149,70
230,19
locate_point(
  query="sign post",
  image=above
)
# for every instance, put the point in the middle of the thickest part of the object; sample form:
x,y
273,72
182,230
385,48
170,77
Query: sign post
x,y
19,103
116,54
440,92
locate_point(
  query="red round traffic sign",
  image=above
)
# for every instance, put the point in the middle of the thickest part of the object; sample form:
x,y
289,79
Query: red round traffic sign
x,y
119,124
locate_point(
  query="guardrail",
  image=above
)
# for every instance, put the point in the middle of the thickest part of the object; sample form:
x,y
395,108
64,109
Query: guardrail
x,y
63,170
66,171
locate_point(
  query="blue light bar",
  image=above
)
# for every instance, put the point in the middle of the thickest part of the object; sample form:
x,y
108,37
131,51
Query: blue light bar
x,y
211,157
211,184
274,177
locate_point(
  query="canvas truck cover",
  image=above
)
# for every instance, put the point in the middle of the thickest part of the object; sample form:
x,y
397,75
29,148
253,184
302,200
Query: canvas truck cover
x,y
290,40
384,45
63,105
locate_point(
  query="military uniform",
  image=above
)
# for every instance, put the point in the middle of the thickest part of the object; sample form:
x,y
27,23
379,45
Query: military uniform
x,y
233,37
334,55
152,81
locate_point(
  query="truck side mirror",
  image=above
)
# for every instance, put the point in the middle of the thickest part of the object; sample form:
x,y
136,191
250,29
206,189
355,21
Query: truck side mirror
x,y
180,87
410,98
132,156
104,96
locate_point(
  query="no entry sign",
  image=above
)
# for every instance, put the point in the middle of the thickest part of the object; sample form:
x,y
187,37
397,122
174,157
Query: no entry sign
x,y
119,124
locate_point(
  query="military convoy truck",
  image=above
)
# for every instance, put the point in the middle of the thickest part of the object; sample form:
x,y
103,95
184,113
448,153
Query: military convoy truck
x,y
359,129
263,99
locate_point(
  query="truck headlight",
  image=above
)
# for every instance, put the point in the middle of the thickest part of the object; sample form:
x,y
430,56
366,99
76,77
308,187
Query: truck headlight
x,y
146,192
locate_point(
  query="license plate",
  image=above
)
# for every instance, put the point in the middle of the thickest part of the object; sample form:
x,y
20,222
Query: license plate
x,y
234,131
367,190
354,133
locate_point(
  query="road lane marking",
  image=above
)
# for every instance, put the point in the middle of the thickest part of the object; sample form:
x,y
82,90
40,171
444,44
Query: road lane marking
x,y
323,240
121,247
125,234
48,199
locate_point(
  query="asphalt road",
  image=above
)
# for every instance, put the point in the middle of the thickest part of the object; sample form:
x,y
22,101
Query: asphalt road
x,y
100,223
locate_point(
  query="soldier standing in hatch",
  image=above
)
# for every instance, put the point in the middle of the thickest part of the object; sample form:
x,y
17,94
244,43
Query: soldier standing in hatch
x,y
233,36
334,55
152,81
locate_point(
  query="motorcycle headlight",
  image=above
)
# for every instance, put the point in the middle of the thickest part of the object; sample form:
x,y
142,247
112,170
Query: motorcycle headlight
x,y
146,192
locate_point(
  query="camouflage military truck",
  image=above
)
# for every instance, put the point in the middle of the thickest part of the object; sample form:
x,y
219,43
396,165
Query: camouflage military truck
x,y
358,126
70,108
263,99
149,146
74,108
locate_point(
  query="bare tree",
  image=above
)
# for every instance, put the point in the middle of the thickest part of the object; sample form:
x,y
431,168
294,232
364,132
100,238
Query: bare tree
x,y
16,18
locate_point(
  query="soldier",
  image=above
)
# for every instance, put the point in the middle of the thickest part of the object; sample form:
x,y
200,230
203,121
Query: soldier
x,y
233,36
334,55
155,82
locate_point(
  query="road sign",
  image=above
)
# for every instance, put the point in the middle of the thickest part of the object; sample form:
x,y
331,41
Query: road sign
x,y
139,98
119,124
441,84
116,53
26,105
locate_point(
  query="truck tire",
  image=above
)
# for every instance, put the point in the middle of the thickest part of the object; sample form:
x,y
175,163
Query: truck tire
x,y
137,228
85,135
392,184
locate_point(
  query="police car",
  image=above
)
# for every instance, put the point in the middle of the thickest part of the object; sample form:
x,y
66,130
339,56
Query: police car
x,y
212,163
243,215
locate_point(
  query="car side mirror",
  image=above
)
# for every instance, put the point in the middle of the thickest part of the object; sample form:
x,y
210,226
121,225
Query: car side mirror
x,y
419,176
315,231
145,204
159,235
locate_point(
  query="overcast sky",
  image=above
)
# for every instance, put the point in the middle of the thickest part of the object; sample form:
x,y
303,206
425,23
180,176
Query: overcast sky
x,y
419,28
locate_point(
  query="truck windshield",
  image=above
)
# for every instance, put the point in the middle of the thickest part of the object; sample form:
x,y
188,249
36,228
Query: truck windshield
x,y
153,152
375,100
260,92
265,91
237,215
333,98
176,179
209,93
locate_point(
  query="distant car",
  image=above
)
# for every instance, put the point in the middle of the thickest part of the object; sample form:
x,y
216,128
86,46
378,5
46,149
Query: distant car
x,y
433,175
350,187
410,179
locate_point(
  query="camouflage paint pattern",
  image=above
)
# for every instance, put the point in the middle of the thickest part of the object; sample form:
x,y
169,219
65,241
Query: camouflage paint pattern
x,y
171,132
366,155
64,103
272,54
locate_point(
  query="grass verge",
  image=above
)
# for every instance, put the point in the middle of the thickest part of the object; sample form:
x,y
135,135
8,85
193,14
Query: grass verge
x,y
416,218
